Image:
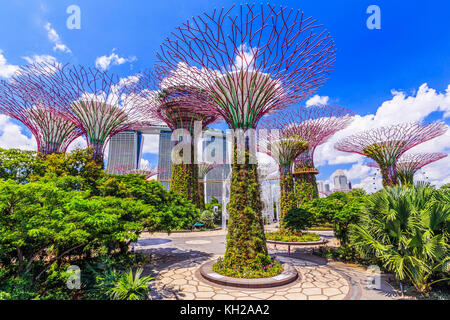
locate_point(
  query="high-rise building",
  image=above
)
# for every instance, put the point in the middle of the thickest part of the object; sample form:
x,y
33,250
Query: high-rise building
x,y
125,150
340,181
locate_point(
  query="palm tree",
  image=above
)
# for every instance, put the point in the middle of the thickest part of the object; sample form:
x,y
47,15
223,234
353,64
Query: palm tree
x,y
131,288
406,229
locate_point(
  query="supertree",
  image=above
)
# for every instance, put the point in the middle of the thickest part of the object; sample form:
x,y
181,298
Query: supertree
x,y
386,145
409,163
284,147
100,103
180,107
51,127
252,60
314,125
203,169
145,170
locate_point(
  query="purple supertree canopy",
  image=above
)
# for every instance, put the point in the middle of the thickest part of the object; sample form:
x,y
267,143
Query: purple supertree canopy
x,y
410,163
52,128
251,60
386,145
146,170
314,125
95,100
177,106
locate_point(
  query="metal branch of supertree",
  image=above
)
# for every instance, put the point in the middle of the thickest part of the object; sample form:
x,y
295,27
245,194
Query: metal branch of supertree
x,y
251,59
146,170
179,107
412,162
313,124
386,145
52,127
204,168
96,100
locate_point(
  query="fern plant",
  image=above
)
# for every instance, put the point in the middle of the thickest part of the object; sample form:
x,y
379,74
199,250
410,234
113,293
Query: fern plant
x,y
129,287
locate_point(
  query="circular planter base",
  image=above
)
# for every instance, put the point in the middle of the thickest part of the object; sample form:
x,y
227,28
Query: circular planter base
x,y
288,275
293,243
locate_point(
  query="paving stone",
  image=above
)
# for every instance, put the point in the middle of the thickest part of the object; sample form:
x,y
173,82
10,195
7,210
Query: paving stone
x,y
223,297
204,288
204,294
331,291
312,291
179,282
296,296
189,288
262,295
318,297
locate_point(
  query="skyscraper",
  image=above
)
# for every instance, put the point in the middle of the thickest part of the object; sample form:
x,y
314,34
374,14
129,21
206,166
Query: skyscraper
x,y
125,149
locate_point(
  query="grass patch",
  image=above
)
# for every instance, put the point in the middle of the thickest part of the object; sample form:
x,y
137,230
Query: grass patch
x,y
292,236
271,270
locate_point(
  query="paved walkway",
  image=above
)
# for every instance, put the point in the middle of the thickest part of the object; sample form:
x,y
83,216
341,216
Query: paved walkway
x,y
177,257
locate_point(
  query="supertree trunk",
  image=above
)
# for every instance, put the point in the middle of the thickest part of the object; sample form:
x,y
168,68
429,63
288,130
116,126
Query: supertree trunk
x,y
305,183
184,179
389,176
287,197
246,247
201,195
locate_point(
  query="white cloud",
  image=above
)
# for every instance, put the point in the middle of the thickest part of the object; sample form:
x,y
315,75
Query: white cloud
x,y
53,36
11,136
317,100
6,69
151,144
104,62
401,108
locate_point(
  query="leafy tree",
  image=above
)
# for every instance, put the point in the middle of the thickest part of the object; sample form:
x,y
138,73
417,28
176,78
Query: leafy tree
x,y
19,165
207,218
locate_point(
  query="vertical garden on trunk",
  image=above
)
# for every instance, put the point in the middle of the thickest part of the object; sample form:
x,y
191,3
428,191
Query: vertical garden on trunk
x,y
252,60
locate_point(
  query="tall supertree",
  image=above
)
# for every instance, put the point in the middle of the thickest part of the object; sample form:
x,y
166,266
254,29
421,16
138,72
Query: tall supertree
x,y
284,148
51,127
314,125
410,163
180,107
252,60
386,145
98,102
203,169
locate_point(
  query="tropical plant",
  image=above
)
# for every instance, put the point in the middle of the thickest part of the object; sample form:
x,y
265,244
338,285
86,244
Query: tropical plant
x,y
298,219
129,287
406,229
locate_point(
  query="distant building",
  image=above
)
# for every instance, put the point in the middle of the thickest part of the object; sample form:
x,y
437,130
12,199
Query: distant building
x,y
125,150
340,182
323,188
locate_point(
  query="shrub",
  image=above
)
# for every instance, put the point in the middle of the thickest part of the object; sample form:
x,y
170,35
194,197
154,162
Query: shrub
x,y
127,287
406,230
207,218
298,219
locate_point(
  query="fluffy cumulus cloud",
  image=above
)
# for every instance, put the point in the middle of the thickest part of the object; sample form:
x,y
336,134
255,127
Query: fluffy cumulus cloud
x,y
54,37
414,107
6,69
317,100
12,135
104,62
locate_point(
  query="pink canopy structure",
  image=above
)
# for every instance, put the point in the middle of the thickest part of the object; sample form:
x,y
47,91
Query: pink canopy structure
x,y
410,163
386,145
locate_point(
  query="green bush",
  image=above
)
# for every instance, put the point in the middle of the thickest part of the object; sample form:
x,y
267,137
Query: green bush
x,y
69,212
292,236
298,219
207,218
406,230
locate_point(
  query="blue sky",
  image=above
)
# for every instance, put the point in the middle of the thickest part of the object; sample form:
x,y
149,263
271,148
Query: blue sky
x,y
411,48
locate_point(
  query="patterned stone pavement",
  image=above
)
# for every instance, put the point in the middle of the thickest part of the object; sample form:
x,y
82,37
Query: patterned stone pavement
x,y
182,281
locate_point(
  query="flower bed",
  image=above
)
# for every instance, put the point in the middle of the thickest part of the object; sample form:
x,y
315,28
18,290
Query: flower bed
x,y
270,270
292,236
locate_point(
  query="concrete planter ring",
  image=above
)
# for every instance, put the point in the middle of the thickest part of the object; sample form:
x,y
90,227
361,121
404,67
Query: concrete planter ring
x,y
288,275
294,243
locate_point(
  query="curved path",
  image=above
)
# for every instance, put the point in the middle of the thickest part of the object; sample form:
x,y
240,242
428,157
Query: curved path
x,y
177,257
